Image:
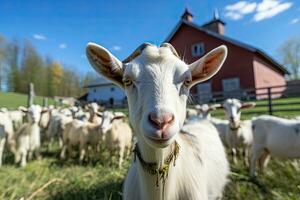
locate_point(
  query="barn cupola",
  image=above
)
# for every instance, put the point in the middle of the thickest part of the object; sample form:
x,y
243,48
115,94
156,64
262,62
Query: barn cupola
x,y
187,15
216,24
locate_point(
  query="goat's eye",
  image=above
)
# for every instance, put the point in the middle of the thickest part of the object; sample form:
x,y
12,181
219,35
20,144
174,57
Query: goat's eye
x,y
127,82
187,81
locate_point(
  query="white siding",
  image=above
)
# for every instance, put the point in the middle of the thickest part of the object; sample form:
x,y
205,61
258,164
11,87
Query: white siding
x,y
105,93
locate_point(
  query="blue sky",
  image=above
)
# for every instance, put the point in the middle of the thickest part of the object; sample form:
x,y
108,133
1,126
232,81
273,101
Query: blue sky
x,y
62,29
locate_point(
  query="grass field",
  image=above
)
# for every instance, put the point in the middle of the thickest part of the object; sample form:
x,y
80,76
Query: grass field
x,y
13,100
49,179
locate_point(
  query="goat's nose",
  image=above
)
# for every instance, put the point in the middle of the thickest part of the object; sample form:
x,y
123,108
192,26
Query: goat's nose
x,y
232,119
161,121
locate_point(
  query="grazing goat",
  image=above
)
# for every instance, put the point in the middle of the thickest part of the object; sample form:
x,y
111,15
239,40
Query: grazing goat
x,y
157,85
27,136
239,133
274,136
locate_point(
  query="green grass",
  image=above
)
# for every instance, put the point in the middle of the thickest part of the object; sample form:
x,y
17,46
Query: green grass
x,y
56,180
13,100
50,179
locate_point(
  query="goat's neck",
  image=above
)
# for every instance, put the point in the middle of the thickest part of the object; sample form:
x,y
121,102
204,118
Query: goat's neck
x,y
148,181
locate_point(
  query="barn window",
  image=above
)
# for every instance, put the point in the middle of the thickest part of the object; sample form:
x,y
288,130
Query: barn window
x,y
112,89
95,90
231,84
198,49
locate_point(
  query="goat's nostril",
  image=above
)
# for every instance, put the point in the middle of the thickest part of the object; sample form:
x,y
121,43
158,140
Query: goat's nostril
x,y
162,120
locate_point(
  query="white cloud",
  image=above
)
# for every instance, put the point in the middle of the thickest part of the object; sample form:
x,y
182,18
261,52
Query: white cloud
x,y
116,48
62,46
270,8
267,5
237,10
39,36
263,9
233,15
242,7
295,21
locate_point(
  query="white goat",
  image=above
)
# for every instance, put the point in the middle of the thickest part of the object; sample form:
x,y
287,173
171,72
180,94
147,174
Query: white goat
x,y
157,85
28,136
239,133
93,111
57,125
6,132
17,117
274,136
71,137
117,135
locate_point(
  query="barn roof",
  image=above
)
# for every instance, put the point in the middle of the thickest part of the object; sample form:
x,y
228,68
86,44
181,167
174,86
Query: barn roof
x,y
100,81
229,40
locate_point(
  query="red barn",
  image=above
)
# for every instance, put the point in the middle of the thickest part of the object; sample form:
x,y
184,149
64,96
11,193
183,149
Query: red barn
x,y
246,67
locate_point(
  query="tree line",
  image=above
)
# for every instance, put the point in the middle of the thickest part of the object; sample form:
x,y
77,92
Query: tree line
x,y
21,64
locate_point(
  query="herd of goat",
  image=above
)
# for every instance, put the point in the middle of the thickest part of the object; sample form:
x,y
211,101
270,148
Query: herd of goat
x,y
90,128
72,127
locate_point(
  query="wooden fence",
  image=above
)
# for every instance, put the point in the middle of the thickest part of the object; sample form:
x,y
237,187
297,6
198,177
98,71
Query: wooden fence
x,y
270,99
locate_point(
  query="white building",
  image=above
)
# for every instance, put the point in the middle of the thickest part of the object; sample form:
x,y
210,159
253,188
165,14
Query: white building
x,y
105,92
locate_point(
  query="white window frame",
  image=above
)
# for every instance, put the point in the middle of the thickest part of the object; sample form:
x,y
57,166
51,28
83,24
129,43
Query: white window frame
x,y
198,49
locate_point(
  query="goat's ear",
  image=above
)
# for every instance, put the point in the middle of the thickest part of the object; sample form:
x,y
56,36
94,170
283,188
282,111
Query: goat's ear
x,y
207,66
119,115
105,63
44,110
23,109
248,105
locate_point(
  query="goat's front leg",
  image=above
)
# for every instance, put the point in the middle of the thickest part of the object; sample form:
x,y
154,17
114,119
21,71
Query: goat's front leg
x,y
246,156
2,144
23,158
83,150
233,153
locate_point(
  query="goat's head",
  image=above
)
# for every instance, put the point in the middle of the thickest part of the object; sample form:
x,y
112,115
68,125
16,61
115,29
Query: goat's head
x,y
93,108
157,85
233,108
107,120
205,109
34,113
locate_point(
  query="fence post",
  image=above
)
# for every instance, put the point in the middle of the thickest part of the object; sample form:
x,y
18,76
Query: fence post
x,y
30,95
270,101
45,101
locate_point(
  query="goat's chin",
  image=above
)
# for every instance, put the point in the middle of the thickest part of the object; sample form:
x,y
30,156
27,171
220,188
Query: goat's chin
x,y
159,143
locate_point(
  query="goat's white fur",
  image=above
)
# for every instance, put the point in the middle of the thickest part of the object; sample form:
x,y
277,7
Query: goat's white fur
x,y
158,81
239,133
28,136
274,136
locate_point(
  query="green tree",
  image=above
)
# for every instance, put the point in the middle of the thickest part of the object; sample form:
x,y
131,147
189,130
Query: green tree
x,y
54,75
32,70
290,55
12,59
